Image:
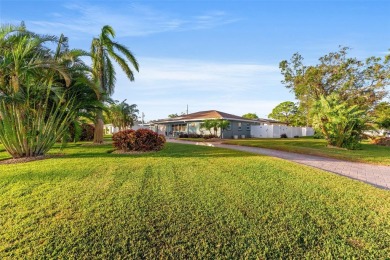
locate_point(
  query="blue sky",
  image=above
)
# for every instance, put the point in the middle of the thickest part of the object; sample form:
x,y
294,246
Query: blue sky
x,y
220,55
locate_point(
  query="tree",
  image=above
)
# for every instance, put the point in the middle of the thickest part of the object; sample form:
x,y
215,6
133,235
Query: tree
x,y
122,115
209,124
223,125
361,83
250,116
381,115
357,85
340,123
38,98
173,115
285,112
103,51
214,124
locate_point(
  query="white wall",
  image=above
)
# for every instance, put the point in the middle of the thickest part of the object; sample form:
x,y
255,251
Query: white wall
x,y
110,129
274,131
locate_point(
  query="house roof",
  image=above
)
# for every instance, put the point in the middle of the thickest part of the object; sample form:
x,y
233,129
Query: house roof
x,y
202,115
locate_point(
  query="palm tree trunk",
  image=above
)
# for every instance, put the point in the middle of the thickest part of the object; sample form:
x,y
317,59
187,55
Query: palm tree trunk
x,y
99,125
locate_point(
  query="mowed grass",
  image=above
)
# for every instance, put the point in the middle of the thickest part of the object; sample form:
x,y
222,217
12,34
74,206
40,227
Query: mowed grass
x,y
369,153
186,202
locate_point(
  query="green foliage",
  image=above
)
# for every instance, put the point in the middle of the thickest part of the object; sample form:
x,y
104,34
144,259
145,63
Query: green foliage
x,y
381,115
340,124
173,115
209,124
140,140
190,202
104,50
39,90
361,83
215,124
80,132
286,112
122,115
252,116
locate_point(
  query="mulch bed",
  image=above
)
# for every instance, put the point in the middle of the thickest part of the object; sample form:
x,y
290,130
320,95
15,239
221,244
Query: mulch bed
x,y
28,159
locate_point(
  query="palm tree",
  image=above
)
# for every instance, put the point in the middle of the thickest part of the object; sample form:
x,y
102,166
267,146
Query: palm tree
x,y
103,51
122,115
36,104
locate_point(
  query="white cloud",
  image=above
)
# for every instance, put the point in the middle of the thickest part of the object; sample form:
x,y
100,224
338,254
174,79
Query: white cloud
x,y
165,86
128,20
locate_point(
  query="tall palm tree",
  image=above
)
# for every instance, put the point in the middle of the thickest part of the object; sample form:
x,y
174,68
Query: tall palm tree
x,y
103,50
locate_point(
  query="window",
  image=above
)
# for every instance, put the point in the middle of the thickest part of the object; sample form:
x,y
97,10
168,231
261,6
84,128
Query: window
x,y
248,126
239,126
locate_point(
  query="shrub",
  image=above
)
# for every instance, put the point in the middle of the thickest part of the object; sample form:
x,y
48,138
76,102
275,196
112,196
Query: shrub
x,y
318,135
210,136
296,136
183,135
87,132
80,132
140,140
283,136
384,141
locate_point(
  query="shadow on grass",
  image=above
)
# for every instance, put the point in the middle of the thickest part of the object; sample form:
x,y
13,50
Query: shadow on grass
x,y
170,150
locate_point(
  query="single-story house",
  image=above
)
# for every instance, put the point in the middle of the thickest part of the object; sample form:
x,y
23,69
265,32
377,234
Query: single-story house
x,y
239,127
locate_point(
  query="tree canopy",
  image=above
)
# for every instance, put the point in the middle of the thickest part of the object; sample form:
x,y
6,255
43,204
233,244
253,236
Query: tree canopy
x,y
356,82
285,112
250,116
336,86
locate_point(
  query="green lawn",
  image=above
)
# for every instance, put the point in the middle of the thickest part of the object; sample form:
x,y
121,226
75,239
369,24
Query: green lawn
x,y
186,202
369,153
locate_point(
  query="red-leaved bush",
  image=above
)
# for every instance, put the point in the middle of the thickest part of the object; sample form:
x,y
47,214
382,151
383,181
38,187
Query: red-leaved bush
x,y
140,140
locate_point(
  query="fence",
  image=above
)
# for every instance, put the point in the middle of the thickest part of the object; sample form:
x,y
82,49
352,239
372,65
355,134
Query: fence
x,y
274,131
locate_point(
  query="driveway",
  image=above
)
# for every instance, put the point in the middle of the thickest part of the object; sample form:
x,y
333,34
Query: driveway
x,y
375,175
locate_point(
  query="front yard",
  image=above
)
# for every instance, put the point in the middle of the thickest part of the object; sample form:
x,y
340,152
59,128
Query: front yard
x,y
186,202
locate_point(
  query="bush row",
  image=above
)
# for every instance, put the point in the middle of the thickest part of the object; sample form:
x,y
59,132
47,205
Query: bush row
x,y
140,140
197,136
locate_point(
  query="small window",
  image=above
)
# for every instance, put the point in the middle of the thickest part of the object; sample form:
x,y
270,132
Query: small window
x,y
248,127
229,127
239,126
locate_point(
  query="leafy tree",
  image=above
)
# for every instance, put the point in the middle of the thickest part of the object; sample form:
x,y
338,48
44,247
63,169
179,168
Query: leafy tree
x,y
38,98
285,112
381,115
215,124
361,83
223,125
122,115
250,116
103,50
340,123
209,124
173,115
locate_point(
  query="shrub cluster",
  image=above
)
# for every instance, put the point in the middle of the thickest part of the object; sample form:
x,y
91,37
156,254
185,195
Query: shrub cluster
x,y
197,136
140,140
283,136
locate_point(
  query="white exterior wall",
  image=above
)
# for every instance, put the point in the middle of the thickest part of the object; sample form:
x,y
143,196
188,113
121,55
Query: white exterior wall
x,y
274,131
110,129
